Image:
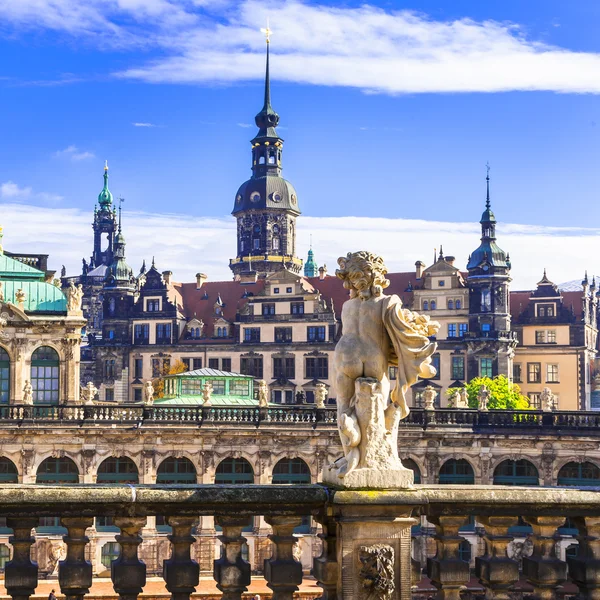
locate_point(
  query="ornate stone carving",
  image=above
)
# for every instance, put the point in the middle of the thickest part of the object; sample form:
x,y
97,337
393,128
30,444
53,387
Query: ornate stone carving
x,y
148,393
377,572
263,394
68,345
89,393
74,298
377,333
19,345
27,457
429,395
88,455
483,397
20,297
320,395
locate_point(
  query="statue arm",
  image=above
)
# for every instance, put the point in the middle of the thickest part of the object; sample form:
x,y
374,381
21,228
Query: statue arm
x,y
412,348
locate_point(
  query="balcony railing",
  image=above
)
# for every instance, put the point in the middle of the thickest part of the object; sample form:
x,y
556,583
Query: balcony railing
x,y
366,538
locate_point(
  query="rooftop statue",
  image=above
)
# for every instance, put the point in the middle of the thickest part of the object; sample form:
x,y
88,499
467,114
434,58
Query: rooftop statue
x,y
377,333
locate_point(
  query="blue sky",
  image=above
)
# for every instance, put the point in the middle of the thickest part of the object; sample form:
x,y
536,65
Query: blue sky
x,y
388,110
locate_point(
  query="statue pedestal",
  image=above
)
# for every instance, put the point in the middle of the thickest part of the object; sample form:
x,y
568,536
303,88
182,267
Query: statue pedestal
x,y
390,479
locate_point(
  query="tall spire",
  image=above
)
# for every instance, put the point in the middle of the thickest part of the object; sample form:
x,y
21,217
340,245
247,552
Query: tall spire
x,y
267,33
487,179
105,197
267,119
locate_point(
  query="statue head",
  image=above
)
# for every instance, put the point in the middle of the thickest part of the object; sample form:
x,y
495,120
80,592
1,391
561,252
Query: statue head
x,y
363,273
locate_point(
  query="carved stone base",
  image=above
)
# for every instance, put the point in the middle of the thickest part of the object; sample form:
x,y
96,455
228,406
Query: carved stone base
x,y
391,479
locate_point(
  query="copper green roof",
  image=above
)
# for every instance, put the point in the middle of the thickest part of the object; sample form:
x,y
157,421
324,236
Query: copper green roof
x,y
12,268
39,296
216,402
210,373
105,197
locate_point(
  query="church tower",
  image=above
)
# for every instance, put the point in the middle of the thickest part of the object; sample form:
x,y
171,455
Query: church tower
x,y
266,206
490,341
105,222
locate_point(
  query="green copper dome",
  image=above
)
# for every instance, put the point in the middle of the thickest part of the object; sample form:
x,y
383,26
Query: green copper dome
x,y
105,197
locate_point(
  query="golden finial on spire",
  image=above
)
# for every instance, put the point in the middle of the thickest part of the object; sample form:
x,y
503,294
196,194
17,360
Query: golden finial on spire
x,y
106,165
267,31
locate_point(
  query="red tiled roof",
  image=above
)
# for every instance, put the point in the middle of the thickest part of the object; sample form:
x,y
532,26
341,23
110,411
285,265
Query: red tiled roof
x,y
519,301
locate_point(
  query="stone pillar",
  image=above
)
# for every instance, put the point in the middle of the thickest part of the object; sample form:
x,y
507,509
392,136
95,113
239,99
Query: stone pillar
x,y
448,573
496,572
231,571
181,573
21,573
370,533
544,571
75,572
282,571
128,572
584,569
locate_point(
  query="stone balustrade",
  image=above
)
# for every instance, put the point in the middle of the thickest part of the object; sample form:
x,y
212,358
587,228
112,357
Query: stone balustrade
x,y
366,538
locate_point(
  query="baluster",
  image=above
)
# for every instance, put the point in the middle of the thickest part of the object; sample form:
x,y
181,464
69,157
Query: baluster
x,y
282,571
543,569
584,569
181,573
75,572
231,571
21,573
448,573
325,567
496,572
128,572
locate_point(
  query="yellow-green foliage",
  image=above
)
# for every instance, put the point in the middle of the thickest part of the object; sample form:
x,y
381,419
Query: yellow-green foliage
x,y
503,395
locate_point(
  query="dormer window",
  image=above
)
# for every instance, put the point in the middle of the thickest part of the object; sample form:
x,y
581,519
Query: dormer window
x,y
433,305
152,305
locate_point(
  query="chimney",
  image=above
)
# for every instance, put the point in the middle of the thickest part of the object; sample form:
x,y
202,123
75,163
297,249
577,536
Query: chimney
x,y
167,277
200,279
450,260
419,265
322,272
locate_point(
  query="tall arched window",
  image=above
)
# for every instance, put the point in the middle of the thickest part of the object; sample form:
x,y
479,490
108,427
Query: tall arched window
x,y
44,375
516,472
433,305
580,474
116,469
4,376
235,471
57,471
293,471
176,470
425,305
409,463
450,304
458,304
8,471
457,471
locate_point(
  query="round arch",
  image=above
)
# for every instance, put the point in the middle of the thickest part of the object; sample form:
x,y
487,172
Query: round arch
x,y
291,470
176,470
57,470
457,471
579,474
117,469
516,472
234,471
409,463
8,471
45,375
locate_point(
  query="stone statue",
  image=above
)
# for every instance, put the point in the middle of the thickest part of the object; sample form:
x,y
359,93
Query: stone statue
x,y
464,399
454,399
88,393
74,297
63,271
20,298
483,397
547,400
58,552
300,397
377,333
429,396
263,394
84,268
320,395
207,390
148,393
27,393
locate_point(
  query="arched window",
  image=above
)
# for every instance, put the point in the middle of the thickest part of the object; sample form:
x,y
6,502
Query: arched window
x,y
4,376
516,472
464,551
450,304
458,304
116,469
219,334
580,474
409,463
176,470
8,471
235,471
425,305
293,471
433,305
224,331
261,160
57,471
44,376
457,471
110,552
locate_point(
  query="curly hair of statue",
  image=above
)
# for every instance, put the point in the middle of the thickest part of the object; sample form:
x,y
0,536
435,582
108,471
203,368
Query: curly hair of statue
x,y
363,273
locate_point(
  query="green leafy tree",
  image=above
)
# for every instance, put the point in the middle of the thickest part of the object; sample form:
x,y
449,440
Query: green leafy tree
x,y
159,383
503,394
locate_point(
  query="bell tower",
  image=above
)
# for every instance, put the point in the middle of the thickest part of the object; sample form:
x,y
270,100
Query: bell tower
x,y
105,222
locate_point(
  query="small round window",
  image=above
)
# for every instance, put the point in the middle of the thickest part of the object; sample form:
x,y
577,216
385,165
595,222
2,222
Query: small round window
x,y
255,197
277,197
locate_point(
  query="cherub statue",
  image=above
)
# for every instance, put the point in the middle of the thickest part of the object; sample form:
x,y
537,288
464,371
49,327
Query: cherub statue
x,y
20,298
377,333
547,400
207,390
88,393
148,393
483,397
27,393
429,396
263,394
320,395
464,399
454,399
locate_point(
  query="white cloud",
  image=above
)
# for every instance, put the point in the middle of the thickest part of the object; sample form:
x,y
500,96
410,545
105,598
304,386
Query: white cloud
x,y
13,192
189,246
143,124
369,48
245,125
74,153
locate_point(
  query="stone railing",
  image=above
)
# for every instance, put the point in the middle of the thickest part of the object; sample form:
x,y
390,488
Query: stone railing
x,y
366,538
